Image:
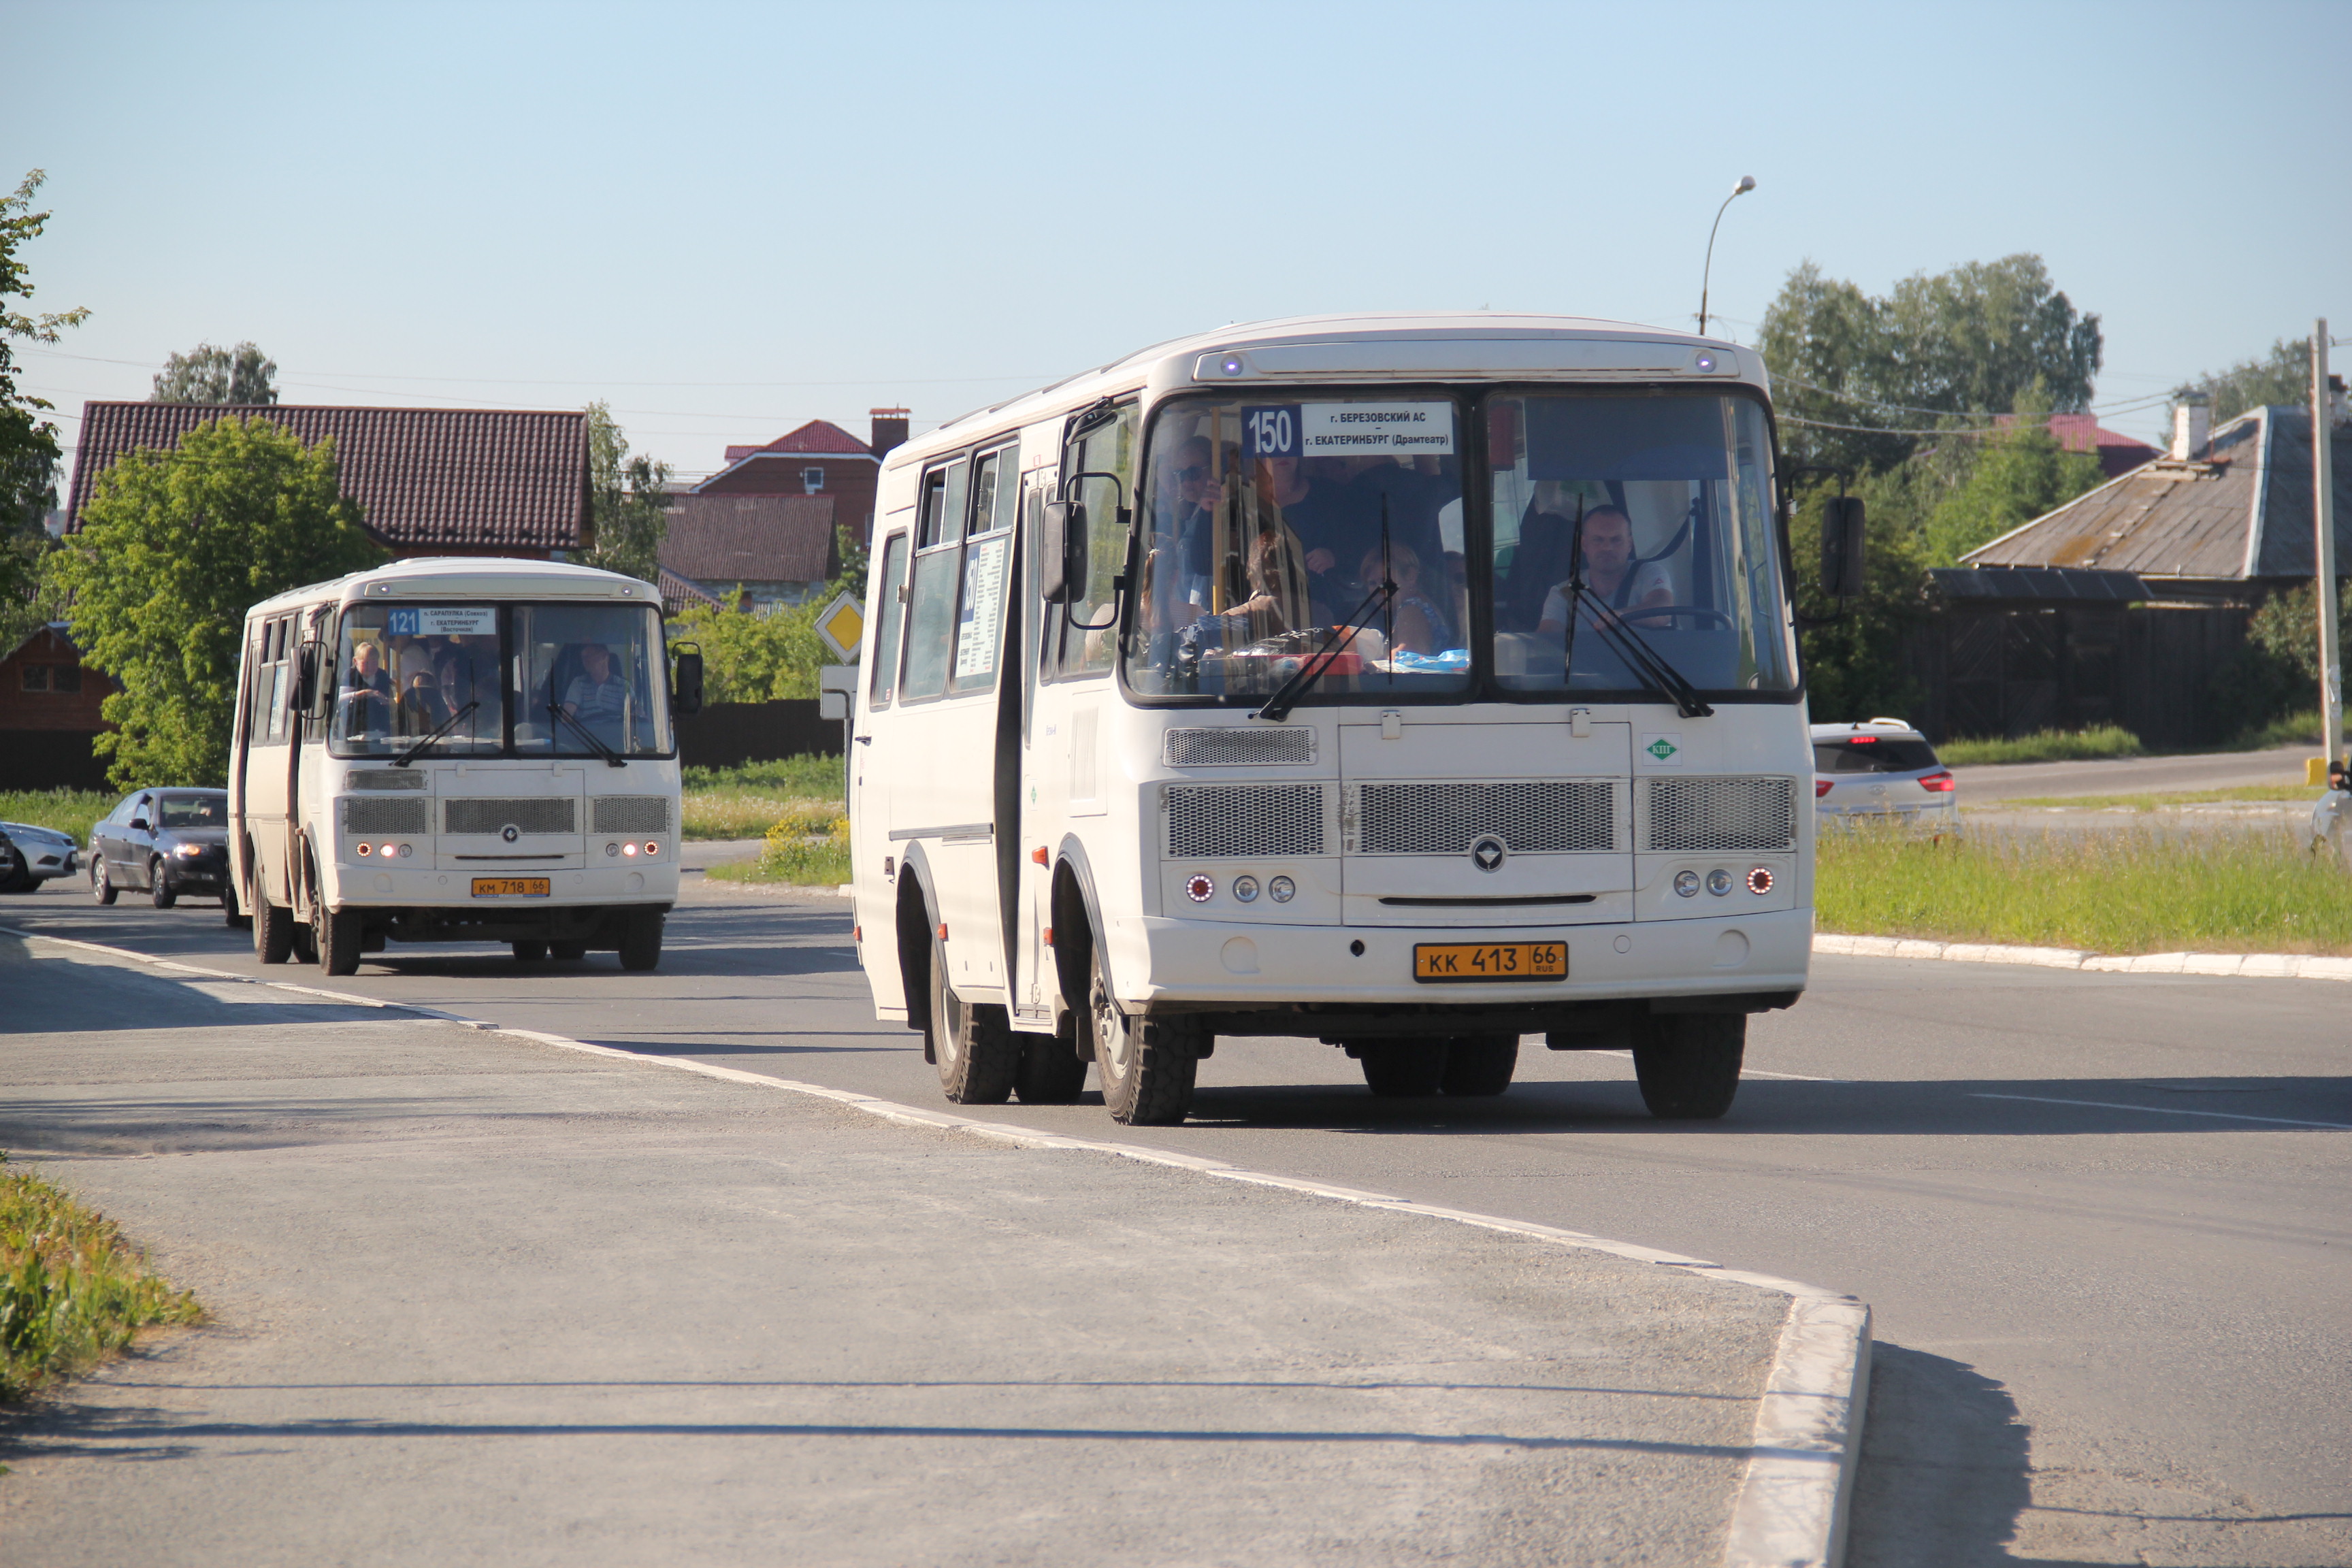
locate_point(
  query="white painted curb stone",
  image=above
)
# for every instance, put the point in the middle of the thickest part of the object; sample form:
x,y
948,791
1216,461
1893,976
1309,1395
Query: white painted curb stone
x,y
1791,1509
2248,965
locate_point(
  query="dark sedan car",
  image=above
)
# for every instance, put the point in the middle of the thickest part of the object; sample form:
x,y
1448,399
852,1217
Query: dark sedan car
x,y
30,856
168,841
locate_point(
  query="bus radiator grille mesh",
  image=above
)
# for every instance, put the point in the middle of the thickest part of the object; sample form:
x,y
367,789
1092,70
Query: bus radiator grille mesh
x,y
628,814
1236,748
541,814
1228,820
1702,813
1536,816
372,815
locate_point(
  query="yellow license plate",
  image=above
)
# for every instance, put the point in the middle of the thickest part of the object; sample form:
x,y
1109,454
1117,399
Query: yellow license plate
x,y
1468,962
510,887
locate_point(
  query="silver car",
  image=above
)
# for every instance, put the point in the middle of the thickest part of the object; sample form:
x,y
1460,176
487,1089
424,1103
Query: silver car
x,y
30,856
1882,770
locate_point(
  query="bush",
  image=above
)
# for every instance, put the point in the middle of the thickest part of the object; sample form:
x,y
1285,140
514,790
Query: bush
x,y
794,855
2049,746
72,1292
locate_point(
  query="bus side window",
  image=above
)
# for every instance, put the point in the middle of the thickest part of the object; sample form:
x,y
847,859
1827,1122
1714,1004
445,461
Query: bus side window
x,y
1108,448
890,614
980,618
931,594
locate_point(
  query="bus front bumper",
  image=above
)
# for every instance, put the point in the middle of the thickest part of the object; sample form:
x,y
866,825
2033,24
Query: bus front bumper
x,y
1159,964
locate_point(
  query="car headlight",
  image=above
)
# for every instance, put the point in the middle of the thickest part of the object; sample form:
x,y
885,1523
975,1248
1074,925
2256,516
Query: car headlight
x,y
188,851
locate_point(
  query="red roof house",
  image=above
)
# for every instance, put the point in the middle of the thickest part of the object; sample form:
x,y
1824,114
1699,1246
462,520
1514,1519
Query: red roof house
x,y
820,458
2118,453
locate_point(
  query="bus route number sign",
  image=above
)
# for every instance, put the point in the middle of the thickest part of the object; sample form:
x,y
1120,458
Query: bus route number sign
x,y
1271,432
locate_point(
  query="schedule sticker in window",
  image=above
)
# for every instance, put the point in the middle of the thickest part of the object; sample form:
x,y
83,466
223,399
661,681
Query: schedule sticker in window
x,y
442,621
1375,429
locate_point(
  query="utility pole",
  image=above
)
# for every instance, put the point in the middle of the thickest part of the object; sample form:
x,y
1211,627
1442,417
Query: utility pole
x,y
2323,511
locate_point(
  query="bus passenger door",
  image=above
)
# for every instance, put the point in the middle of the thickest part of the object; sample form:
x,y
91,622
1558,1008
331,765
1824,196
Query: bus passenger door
x,y
1029,896
875,753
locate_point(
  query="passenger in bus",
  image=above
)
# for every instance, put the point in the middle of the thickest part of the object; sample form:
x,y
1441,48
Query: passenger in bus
x,y
1279,598
1418,623
596,694
1610,573
410,659
366,672
420,710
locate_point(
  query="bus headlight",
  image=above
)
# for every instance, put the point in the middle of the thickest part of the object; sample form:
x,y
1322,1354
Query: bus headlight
x,y
1281,889
1245,888
1718,881
628,849
1686,884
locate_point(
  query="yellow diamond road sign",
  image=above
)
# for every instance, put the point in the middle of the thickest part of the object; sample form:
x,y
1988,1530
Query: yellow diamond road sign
x,y
842,624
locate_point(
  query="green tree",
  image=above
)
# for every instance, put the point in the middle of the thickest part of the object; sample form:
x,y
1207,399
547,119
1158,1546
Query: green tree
x,y
1853,650
1857,377
627,503
2283,375
28,443
209,374
2020,474
174,548
749,657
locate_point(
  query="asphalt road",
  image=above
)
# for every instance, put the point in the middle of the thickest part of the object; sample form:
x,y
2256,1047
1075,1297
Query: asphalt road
x,y
2109,1260
2131,776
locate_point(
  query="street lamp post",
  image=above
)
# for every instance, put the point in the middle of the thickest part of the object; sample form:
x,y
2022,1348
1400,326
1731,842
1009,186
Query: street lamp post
x,y
1747,183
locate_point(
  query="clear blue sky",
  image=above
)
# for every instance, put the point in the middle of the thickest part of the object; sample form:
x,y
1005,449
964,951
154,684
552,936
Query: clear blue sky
x,y
728,219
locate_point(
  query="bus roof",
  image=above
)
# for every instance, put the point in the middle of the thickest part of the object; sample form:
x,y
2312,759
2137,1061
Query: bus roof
x,y
467,577
1402,345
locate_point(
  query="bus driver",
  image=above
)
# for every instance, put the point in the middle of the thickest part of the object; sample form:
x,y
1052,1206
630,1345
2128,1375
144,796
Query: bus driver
x,y
1610,573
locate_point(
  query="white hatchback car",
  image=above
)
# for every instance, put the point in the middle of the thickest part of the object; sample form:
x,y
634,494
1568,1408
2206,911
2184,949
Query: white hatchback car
x,y
1882,769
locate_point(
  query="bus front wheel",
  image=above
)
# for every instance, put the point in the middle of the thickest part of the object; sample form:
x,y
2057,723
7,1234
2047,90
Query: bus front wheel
x,y
1402,1069
1688,1063
641,939
972,1042
1480,1065
335,934
1147,1066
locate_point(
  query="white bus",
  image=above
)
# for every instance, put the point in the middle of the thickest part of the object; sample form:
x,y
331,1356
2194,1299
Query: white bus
x,y
472,750
1414,684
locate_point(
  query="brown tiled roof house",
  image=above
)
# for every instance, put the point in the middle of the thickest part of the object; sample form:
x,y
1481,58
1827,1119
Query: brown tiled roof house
x,y
820,458
430,481
777,549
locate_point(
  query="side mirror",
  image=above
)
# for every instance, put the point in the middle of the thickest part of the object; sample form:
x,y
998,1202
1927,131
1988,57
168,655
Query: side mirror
x,y
1842,547
139,824
306,690
685,693
1061,550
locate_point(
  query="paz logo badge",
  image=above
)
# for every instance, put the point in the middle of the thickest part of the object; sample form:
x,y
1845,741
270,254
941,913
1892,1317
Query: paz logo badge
x,y
1664,751
1488,854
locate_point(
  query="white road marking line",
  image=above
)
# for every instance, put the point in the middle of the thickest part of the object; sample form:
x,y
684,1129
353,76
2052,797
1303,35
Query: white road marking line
x,y
1791,1509
2167,1110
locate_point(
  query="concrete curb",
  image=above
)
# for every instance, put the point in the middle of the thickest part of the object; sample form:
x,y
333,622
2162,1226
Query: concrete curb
x,y
1791,1506
2249,965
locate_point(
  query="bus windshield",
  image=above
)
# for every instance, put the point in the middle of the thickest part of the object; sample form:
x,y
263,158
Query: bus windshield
x,y
578,681
1336,536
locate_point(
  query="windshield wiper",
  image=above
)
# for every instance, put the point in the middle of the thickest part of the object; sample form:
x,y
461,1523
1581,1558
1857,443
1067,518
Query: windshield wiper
x,y
1643,661
612,758
1278,706
439,729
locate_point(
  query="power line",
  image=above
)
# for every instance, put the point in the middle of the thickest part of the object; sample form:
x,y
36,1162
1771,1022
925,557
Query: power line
x,y
545,381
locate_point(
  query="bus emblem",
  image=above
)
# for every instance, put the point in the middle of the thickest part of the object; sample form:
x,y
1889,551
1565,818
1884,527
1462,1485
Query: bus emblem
x,y
1488,854
509,833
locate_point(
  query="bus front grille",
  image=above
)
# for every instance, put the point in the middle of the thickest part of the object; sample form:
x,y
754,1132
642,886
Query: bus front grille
x,y
539,813
1216,821
628,814
1531,816
1237,748
369,814
1698,815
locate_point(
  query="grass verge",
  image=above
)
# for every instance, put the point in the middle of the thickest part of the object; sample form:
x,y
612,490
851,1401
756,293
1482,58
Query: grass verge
x,y
2049,746
2289,793
72,1292
2295,730
69,811
796,857
798,794
2125,892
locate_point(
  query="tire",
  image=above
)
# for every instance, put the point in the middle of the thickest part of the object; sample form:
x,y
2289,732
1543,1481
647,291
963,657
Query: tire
x,y
15,875
335,934
102,884
160,890
230,914
1402,1069
306,942
972,1042
641,939
1147,1066
1051,1070
1480,1065
567,951
1688,1063
530,951
273,930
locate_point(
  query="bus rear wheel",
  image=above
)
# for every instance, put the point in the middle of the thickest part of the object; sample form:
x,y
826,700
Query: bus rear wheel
x,y
335,934
1402,1069
1480,1065
273,929
1147,1066
972,1042
1688,1063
